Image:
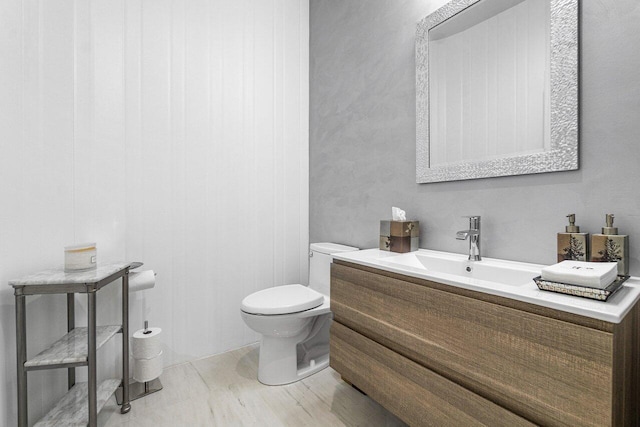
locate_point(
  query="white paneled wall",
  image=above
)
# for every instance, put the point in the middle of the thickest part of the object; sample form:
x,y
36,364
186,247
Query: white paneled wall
x,y
173,132
217,179
483,103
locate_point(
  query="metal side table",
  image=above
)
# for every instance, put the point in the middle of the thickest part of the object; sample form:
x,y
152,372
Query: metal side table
x,y
78,347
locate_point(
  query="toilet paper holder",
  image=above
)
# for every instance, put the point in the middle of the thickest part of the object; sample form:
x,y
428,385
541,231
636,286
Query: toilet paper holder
x,y
138,389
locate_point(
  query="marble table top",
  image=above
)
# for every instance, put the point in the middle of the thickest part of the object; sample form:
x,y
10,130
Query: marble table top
x,y
60,277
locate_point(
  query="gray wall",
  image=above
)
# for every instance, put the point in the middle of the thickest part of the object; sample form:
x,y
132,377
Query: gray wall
x,y
362,136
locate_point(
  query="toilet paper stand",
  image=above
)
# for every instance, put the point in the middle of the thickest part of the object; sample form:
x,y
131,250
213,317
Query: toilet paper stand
x,y
138,389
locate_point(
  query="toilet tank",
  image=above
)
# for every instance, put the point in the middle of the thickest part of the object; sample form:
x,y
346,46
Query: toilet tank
x,y
320,257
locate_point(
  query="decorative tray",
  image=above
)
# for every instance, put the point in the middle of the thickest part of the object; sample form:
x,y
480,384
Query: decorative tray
x,y
581,291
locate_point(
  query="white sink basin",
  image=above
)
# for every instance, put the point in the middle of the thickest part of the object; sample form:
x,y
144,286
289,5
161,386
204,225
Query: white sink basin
x,y
502,272
509,279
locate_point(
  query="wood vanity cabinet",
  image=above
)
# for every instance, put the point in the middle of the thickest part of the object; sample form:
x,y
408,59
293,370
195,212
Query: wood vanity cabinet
x,y
435,354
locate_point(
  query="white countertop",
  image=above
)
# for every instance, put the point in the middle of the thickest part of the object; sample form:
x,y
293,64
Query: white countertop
x,y
613,310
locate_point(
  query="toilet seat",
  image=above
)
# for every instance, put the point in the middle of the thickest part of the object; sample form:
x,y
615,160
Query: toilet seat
x,y
282,300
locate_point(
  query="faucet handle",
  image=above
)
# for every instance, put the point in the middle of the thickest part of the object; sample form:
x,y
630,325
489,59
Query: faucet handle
x,y
462,235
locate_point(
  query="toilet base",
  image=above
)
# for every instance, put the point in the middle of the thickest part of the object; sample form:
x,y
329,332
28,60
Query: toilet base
x,y
278,362
287,360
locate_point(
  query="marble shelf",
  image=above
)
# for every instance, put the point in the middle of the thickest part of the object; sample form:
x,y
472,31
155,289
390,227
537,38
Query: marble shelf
x,y
72,349
73,410
59,276
59,281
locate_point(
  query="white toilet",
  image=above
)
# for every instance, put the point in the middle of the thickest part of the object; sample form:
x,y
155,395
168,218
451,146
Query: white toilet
x,y
294,321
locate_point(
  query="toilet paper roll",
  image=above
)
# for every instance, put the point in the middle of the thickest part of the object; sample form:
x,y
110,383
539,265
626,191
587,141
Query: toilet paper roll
x,y
146,346
147,369
140,280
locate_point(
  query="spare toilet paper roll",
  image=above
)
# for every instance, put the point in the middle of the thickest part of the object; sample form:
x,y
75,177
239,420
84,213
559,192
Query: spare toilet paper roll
x,y
140,280
147,369
146,346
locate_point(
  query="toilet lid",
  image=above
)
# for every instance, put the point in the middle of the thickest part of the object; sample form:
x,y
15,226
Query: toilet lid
x,y
282,300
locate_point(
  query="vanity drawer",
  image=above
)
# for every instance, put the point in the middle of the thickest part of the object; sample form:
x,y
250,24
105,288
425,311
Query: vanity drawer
x,y
414,393
550,371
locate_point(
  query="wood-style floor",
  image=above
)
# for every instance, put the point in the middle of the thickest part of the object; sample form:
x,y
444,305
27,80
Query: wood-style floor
x,y
223,390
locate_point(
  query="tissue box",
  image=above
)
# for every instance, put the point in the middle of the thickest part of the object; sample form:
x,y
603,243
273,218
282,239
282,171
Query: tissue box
x,y
399,236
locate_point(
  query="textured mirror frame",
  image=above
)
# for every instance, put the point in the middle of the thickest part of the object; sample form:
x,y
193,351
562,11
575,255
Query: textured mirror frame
x,y
563,153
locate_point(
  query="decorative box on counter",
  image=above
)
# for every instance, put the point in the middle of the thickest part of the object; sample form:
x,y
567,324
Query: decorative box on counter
x,y
399,236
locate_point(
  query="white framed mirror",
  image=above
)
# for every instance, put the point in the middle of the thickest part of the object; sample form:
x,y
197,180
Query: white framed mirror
x,y
497,89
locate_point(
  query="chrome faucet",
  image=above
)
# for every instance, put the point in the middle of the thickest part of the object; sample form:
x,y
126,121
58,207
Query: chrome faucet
x,y
473,233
